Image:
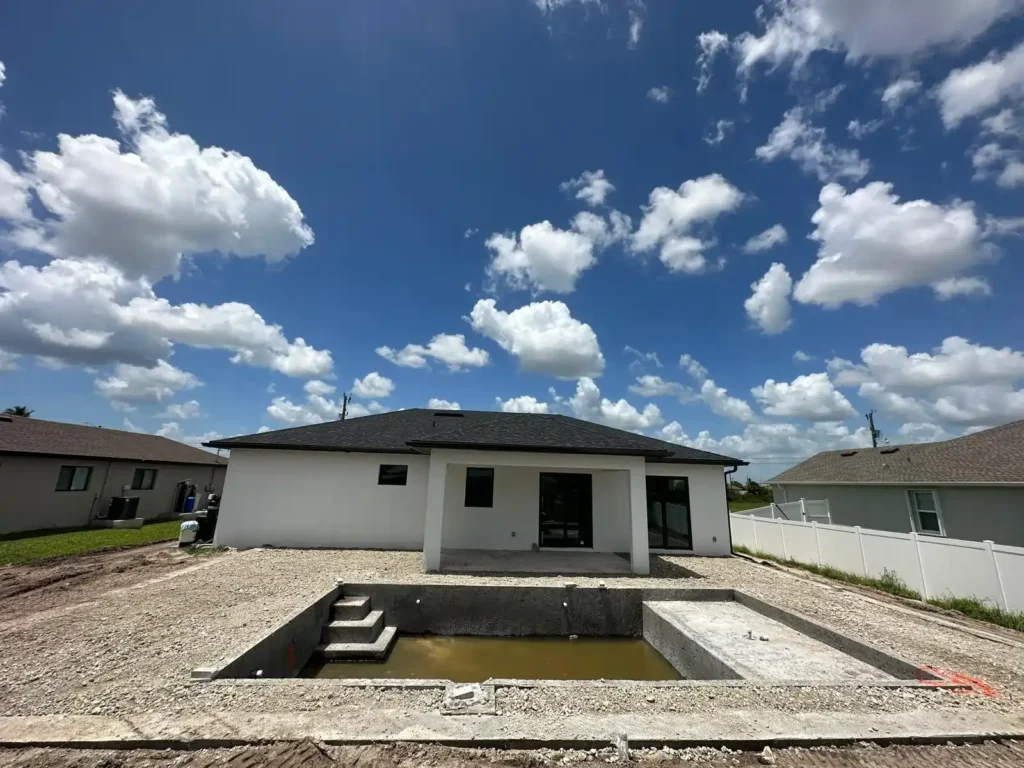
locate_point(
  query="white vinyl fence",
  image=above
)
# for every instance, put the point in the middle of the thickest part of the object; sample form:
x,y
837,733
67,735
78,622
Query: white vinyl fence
x,y
804,509
936,567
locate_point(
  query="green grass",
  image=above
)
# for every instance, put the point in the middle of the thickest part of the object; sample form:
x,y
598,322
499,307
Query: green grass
x,y
891,583
739,506
21,548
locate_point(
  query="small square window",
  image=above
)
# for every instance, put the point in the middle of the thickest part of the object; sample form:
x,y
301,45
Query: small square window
x,y
479,486
144,479
392,474
73,478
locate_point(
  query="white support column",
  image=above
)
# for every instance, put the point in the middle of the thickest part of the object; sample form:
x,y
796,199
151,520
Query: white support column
x,y
640,556
434,522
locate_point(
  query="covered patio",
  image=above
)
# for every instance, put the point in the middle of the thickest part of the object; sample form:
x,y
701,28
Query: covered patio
x,y
550,513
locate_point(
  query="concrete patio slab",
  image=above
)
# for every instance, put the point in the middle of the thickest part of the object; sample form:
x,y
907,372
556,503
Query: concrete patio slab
x,y
567,563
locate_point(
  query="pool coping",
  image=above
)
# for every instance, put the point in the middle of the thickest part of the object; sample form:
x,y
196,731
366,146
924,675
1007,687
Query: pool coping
x,y
281,641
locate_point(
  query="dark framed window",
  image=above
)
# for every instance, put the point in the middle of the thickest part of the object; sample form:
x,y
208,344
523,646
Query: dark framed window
x,y
479,486
668,513
73,478
144,479
392,474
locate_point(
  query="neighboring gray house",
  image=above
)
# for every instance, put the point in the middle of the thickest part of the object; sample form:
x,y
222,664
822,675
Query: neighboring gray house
x,y
56,475
971,487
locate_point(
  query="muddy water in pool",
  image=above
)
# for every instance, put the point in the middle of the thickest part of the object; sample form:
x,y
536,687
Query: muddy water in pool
x,y
475,659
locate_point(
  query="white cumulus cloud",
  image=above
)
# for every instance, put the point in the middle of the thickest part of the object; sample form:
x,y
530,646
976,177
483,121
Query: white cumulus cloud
x,y
437,404
446,348
588,404
811,396
899,90
543,336
660,94
188,410
768,306
373,385
962,286
592,187
671,216
522,404
136,383
871,244
983,86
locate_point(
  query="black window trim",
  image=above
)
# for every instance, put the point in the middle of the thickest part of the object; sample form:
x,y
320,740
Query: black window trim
x,y
74,469
402,479
474,503
142,477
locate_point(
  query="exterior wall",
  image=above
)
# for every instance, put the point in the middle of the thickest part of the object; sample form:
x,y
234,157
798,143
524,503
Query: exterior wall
x,y
979,514
513,522
971,513
29,501
709,510
321,499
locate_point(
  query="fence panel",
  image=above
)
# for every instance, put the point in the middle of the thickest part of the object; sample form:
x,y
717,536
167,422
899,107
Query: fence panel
x,y
839,548
800,541
951,567
791,510
817,509
769,537
959,569
742,531
894,552
1011,568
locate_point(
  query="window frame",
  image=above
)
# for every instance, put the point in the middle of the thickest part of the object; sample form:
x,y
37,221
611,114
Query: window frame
x,y
142,477
915,513
404,477
472,503
71,481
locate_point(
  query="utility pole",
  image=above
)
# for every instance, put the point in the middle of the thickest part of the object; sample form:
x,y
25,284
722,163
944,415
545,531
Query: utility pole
x,y
875,434
345,400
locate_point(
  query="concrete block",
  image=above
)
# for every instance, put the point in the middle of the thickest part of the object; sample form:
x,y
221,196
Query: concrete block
x,y
364,630
351,608
468,699
374,651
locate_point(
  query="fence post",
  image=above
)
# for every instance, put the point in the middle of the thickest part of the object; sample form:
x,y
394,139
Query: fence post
x,y
920,564
803,511
999,575
860,544
817,541
753,527
828,511
782,531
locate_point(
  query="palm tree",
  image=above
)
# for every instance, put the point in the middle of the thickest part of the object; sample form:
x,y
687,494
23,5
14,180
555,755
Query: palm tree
x,y
19,410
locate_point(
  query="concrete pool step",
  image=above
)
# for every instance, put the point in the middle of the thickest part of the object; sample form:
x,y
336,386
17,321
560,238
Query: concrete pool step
x,y
364,630
375,651
350,608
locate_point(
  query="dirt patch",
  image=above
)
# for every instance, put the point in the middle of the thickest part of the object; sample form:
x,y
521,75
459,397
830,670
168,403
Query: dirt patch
x,y
308,754
63,581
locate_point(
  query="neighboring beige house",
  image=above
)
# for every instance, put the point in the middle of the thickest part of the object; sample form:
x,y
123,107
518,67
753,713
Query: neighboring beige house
x,y
55,475
971,487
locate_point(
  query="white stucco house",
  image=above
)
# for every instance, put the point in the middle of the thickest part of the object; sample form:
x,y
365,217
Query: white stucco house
x,y
473,480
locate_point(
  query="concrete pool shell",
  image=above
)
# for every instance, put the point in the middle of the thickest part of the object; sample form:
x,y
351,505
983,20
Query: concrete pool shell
x,y
711,636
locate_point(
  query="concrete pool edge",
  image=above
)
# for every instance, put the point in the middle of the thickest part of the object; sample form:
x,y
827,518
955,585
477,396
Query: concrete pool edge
x,y
740,729
282,651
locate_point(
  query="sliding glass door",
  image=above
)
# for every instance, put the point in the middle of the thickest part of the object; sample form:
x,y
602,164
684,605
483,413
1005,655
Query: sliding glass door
x,y
668,513
566,510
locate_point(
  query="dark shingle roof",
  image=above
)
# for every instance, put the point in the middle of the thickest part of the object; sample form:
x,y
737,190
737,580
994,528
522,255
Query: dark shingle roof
x,y
54,438
992,456
418,429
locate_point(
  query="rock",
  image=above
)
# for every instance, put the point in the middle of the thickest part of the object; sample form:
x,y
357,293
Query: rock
x,y
621,744
767,757
650,698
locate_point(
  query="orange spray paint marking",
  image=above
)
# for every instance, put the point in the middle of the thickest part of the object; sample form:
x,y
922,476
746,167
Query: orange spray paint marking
x,y
957,678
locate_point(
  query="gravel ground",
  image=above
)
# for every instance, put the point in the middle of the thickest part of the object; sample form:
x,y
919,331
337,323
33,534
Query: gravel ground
x,y
132,650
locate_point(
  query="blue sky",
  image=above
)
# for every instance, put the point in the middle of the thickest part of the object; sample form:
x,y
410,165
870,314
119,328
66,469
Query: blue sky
x,y
385,172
